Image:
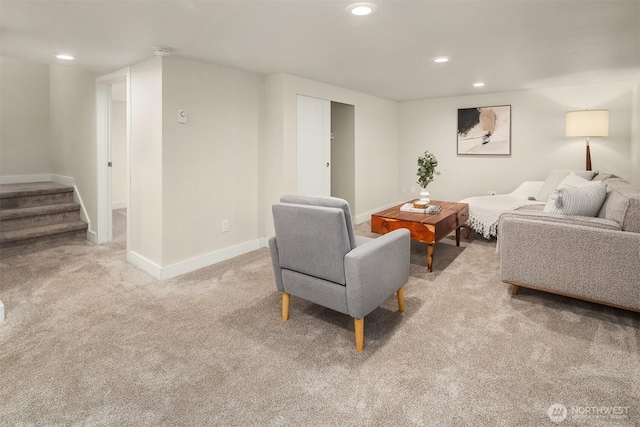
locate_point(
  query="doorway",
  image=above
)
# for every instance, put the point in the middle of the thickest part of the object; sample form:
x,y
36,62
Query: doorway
x,y
113,124
343,152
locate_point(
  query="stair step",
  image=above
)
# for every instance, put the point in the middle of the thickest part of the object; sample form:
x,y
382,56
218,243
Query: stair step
x,y
9,238
16,219
32,189
17,196
9,214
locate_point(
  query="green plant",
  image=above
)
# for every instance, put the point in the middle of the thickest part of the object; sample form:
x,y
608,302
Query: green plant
x,y
426,169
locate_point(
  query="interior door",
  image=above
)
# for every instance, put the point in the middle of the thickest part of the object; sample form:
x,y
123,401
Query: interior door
x,y
314,146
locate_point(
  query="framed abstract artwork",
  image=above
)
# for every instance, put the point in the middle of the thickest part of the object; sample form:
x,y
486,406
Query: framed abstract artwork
x,y
484,131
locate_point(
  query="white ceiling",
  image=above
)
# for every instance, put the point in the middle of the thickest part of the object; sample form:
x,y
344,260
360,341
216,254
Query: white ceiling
x,y
509,44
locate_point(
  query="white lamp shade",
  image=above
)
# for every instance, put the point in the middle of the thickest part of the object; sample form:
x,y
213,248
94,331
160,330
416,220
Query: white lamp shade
x,y
587,123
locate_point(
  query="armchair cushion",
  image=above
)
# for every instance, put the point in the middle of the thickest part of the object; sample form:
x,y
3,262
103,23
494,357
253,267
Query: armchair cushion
x,y
330,202
312,240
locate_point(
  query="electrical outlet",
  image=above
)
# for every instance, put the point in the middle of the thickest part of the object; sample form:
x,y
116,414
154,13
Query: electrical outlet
x,y
413,189
491,192
404,189
225,225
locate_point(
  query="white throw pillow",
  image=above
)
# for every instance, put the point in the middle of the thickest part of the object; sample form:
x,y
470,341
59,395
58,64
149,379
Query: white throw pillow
x,y
582,201
571,180
554,179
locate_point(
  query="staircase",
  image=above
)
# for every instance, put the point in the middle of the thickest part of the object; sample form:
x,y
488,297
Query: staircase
x,y
38,212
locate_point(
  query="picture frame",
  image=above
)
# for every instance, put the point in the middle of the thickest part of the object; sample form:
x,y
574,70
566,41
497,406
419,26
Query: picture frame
x,y
484,131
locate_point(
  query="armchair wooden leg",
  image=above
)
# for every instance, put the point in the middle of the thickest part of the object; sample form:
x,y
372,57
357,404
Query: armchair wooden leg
x,y
359,325
515,289
285,306
400,299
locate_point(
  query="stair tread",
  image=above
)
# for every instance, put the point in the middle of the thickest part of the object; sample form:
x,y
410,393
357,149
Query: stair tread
x,y
45,230
6,214
32,189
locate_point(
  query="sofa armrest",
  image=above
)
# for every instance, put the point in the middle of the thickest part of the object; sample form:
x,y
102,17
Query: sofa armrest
x,y
562,256
375,270
587,221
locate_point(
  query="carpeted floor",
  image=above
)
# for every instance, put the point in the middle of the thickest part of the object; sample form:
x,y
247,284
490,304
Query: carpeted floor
x,y
91,340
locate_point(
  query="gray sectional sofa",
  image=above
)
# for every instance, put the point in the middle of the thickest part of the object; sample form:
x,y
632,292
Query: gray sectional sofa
x,y
591,258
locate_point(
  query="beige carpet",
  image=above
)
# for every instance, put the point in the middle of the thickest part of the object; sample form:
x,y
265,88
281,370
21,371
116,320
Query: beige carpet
x,y
92,340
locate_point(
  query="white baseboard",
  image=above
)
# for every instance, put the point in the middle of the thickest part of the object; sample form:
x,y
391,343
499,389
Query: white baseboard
x,y
24,179
145,265
367,215
1,312
118,205
205,260
92,236
193,264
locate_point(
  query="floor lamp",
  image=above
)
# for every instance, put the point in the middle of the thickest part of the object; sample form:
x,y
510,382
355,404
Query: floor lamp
x,y
587,123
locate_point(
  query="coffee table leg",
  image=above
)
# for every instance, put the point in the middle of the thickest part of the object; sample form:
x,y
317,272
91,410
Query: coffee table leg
x,y
458,236
430,257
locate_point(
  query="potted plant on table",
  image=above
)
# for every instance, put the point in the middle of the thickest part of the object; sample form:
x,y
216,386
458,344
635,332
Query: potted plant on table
x,y
426,171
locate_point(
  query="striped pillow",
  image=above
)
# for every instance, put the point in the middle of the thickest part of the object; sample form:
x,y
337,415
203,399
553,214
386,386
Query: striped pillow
x,y
582,201
555,178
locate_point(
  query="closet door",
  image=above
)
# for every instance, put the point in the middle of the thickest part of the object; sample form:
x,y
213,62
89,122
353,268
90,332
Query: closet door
x,y
314,146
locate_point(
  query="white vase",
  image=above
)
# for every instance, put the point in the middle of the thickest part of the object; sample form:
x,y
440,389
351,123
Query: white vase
x,y
424,196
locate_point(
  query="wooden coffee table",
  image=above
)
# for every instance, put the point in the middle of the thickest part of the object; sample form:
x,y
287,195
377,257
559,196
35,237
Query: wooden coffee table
x,y
425,228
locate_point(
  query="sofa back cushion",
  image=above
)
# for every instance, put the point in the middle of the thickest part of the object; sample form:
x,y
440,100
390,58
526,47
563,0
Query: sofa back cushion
x,y
622,204
555,177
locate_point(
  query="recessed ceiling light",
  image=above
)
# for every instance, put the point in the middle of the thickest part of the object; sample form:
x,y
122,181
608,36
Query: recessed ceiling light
x,y
479,84
64,56
441,59
362,9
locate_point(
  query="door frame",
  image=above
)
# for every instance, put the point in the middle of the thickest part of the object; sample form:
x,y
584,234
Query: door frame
x,y
103,149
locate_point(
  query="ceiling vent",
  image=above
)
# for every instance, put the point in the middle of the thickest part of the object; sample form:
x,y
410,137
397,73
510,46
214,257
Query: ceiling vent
x,y
161,50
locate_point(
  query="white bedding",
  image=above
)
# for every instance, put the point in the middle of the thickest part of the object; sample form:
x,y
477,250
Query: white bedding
x,y
485,211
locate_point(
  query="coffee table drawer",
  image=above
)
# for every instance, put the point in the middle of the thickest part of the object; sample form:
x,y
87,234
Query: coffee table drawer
x,y
419,232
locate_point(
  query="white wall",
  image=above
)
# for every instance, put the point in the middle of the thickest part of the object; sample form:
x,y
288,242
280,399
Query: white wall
x,y
538,143
145,211
118,132
376,143
72,131
210,164
24,118
271,182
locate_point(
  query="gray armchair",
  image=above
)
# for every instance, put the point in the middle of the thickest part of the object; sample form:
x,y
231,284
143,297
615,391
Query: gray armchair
x,y
317,257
